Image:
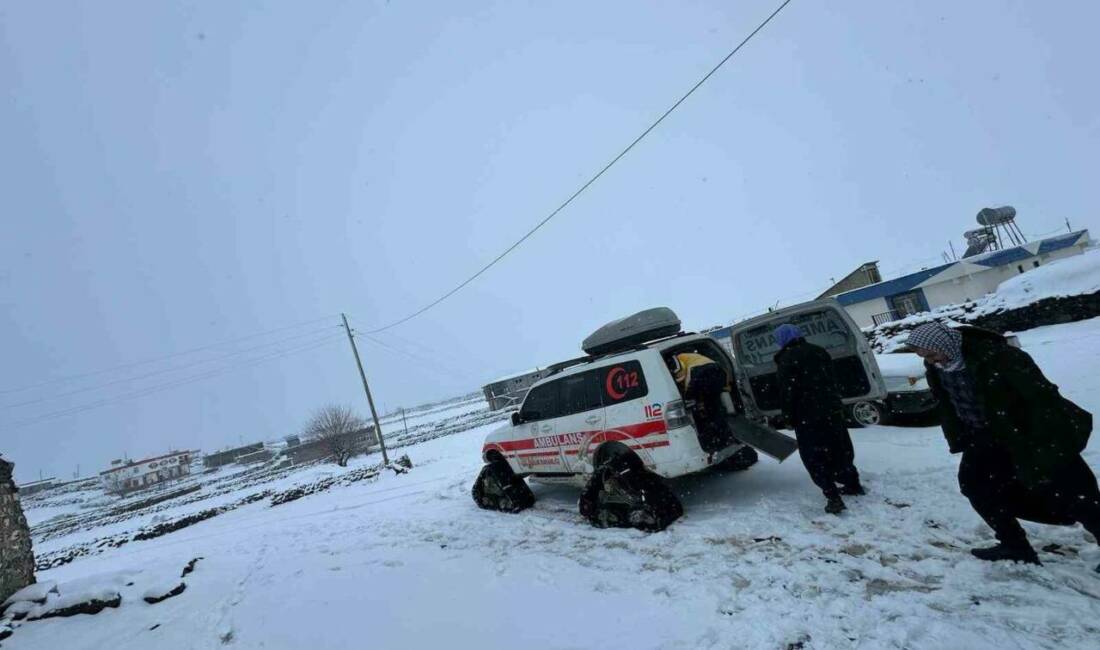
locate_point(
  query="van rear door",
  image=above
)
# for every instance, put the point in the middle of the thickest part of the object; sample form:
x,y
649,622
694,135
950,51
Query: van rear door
x,y
824,323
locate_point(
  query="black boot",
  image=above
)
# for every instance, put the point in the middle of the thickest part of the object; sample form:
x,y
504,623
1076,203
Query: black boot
x,y
835,505
1016,552
853,490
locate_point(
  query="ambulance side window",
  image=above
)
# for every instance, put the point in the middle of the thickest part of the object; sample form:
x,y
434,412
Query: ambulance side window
x,y
580,392
541,403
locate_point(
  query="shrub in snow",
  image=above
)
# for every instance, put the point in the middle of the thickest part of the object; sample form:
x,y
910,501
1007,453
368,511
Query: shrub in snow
x,y
154,595
401,465
92,601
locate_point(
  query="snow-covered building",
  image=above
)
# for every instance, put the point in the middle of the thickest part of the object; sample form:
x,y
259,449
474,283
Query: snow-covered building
x,y
956,282
129,476
508,392
35,487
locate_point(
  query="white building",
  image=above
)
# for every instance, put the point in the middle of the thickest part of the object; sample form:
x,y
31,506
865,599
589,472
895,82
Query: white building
x,y
140,474
956,282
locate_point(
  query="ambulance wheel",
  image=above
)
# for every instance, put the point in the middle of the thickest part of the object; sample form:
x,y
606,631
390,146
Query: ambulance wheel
x,y
741,460
498,488
622,494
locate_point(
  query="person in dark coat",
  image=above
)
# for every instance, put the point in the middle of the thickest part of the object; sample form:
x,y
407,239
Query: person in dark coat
x,y
1020,439
811,404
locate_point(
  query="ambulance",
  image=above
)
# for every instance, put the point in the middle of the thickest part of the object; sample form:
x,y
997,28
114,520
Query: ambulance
x,y
615,423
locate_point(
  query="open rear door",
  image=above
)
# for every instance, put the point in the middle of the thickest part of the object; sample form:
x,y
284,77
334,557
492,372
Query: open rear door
x,y
824,323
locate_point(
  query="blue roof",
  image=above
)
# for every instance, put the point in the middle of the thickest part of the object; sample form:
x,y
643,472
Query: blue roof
x,y
1003,257
889,287
994,259
1058,243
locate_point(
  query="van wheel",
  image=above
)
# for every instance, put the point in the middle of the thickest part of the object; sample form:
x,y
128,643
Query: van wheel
x,y
741,460
498,488
622,494
867,414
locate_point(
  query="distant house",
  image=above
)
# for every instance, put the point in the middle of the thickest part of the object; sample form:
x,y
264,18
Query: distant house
x,y
866,274
220,458
34,487
129,476
956,282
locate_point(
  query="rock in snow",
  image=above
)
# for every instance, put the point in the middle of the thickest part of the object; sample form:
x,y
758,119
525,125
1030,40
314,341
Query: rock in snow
x,y
190,567
154,595
91,601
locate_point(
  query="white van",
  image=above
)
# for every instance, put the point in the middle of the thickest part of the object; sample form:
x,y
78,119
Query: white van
x,y
824,323
617,423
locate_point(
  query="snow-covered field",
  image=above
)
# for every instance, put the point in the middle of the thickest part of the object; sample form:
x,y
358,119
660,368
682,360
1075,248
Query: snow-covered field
x,y
408,561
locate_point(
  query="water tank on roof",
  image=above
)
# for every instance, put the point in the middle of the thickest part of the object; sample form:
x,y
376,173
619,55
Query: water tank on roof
x,y
996,216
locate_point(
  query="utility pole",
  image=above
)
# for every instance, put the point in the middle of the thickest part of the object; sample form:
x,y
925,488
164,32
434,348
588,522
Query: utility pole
x,y
366,389
1068,228
406,422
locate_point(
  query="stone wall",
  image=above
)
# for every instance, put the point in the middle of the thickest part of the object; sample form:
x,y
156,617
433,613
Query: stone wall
x,y
16,555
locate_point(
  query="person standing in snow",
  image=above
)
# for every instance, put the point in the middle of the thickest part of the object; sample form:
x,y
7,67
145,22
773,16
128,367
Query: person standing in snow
x,y
811,404
1020,440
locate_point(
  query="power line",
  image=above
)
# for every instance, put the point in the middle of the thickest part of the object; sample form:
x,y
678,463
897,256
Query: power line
x,y
125,380
591,180
162,358
434,366
433,363
451,359
172,384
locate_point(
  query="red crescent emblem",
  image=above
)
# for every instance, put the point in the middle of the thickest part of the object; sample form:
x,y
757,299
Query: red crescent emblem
x,y
615,372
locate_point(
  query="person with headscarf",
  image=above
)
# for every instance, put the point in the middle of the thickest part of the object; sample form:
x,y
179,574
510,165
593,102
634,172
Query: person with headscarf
x,y
811,404
1020,439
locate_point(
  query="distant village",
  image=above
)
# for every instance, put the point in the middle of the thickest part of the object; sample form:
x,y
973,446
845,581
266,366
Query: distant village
x,y
127,476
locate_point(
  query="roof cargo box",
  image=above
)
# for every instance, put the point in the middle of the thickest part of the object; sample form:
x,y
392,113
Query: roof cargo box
x,y
631,331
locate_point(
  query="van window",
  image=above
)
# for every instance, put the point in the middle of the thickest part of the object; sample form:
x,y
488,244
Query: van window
x,y
825,328
622,382
541,403
580,392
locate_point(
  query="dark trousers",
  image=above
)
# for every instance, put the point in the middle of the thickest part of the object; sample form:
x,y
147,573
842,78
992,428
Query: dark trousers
x,y
987,476
705,389
826,451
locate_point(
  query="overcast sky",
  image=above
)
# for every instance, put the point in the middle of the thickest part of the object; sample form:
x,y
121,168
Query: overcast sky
x,y
176,175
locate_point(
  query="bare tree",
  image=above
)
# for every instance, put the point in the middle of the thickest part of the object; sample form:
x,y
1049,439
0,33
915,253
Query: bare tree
x,y
336,425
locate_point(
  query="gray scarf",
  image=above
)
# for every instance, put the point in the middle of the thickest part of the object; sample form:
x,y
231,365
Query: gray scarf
x,y
939,338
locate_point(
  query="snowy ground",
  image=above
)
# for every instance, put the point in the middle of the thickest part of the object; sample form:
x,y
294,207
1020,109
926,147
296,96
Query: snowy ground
x,y
409,562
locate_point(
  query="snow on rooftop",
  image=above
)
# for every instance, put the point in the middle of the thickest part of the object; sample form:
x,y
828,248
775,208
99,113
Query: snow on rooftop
x,y
1071,276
